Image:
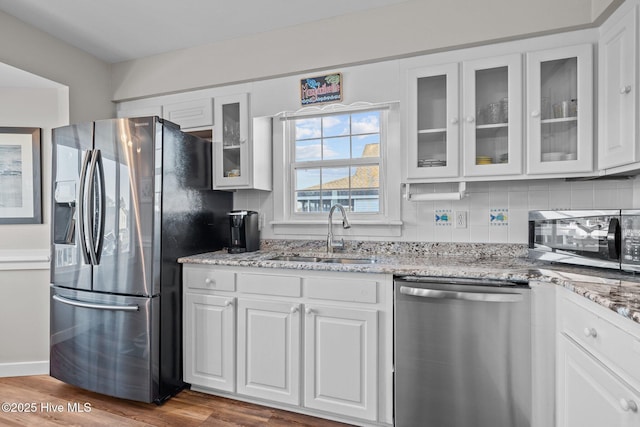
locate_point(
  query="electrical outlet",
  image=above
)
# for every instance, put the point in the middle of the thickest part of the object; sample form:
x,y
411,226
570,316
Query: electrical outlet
x,y
461,219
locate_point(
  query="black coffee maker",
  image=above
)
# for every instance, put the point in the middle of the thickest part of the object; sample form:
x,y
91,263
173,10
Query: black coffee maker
x,y
245,236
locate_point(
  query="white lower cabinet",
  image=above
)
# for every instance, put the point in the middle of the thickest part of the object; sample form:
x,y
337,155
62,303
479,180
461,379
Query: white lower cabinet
x,y
598,375
209,341
313,342
268,350
340,355
591,396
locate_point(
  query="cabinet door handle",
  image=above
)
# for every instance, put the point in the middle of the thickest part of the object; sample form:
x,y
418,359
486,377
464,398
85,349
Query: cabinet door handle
x,y
590,332
535,113
628,405
228,303
454,121
308,310
294,309
625,89
470,119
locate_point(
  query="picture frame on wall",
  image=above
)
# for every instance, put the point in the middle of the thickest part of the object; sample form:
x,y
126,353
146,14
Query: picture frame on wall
x,y
20,175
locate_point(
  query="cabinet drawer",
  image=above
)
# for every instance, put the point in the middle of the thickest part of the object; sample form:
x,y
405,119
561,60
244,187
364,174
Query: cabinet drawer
x,y
600,337
269,284
330,288
201,277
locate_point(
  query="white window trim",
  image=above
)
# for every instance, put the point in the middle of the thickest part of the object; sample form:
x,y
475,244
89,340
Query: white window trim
x,y
386,223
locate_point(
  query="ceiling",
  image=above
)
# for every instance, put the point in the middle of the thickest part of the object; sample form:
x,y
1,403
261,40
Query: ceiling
x,y
121,30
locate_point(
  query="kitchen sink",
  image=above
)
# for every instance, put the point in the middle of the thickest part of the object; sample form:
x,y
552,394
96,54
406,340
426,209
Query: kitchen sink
x,y
295,258
349,260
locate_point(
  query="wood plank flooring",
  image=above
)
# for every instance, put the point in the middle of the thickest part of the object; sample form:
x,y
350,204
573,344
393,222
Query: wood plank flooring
x,y
49,401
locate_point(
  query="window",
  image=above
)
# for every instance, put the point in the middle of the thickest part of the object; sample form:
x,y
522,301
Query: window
x,y
337,160
338,154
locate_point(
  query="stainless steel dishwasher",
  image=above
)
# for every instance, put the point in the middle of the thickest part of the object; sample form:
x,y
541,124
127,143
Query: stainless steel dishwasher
x,y
462,353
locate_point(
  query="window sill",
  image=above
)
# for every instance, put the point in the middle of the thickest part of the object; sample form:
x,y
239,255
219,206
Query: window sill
x,y
359,228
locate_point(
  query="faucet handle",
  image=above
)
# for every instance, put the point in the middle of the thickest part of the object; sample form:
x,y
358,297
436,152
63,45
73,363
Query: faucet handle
x,y
337,245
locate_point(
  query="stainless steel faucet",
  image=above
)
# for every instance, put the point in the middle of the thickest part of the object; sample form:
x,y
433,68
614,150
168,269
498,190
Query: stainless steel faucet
x,y
345,224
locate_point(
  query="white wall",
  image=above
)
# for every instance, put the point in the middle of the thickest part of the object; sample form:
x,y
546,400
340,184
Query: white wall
x,y
403,29
24,249
79,90
88,78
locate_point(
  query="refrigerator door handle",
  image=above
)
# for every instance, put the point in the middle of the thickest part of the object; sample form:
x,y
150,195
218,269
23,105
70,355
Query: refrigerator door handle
x,y
466,296
83,304
99,239
92,208
82,207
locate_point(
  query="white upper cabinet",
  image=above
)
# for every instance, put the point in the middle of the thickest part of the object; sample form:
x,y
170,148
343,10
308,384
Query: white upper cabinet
x,y
241,152
433,139
190,114
560,110
618,91
492,116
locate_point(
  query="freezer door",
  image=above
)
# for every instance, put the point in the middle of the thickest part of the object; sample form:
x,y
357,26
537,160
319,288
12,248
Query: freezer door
x,y
129,191
71,149
105,343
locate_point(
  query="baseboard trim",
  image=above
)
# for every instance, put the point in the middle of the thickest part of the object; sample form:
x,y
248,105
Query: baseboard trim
x,y
21,369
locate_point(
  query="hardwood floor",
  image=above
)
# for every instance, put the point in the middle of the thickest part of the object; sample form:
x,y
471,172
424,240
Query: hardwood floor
x,y
51,403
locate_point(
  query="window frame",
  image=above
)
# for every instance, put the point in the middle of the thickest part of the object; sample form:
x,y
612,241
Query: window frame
x,y
387,222
337,163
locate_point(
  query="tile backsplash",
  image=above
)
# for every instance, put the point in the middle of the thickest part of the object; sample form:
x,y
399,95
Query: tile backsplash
x,y
496,212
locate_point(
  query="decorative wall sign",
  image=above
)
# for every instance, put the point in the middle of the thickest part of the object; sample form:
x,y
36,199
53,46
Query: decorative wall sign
x,y
316,90
20,185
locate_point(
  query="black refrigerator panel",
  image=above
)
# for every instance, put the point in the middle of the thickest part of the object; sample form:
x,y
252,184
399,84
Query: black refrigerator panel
x,y
71,150
105,343
125,200
193,221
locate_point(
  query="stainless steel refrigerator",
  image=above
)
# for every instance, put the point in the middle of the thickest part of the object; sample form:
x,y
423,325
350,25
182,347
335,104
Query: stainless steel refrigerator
x,y
130,196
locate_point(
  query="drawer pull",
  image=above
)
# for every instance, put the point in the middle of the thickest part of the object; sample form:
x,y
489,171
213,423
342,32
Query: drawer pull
x,y
628,405
590,332
209,281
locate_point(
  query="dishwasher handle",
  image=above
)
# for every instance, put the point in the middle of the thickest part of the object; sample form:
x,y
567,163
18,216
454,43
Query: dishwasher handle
x,y
465,296
501,283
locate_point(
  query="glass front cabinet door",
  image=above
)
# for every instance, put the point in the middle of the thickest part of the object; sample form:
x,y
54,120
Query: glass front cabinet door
x,y
492,116
433,122
559,113
231,141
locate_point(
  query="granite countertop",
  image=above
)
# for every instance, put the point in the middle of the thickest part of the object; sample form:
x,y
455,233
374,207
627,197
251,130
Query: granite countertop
x,y
617,291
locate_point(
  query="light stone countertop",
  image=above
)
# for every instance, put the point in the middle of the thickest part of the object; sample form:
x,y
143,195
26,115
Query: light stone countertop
x,y
617,291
